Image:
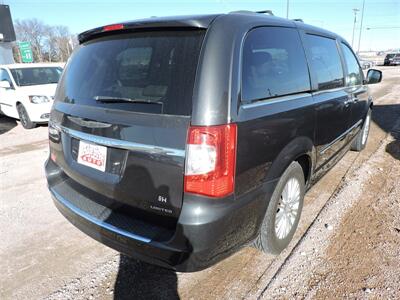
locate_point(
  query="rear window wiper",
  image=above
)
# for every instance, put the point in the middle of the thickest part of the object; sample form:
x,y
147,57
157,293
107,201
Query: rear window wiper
x,y
108,99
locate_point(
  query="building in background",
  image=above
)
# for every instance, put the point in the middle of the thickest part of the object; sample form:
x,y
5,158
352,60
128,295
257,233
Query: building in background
x,y
7,35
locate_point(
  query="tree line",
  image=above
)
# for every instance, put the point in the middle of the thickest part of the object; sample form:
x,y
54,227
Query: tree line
x,y
48,43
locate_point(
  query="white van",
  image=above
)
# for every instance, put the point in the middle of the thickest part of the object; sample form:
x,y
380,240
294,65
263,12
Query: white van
x,y
27,91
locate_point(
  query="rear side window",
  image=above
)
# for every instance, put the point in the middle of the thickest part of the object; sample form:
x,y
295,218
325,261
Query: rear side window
x,y
325,62
353,68
273,64
150,72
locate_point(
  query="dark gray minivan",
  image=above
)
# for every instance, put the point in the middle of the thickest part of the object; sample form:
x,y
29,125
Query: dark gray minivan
x,y
178,140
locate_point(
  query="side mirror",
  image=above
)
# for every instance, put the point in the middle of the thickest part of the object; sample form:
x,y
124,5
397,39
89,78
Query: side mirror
x,y
5,84
374,76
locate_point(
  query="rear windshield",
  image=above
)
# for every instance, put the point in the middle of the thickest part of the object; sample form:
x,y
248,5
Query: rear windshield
x,y
36,76
151,72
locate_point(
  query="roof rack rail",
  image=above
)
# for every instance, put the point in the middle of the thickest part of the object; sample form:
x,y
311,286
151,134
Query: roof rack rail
x,y
298,20
269,12
241,11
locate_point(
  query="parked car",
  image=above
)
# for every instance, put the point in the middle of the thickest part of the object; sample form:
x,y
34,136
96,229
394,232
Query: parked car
x,y
27,91
366,64
179,140
392,59
396,60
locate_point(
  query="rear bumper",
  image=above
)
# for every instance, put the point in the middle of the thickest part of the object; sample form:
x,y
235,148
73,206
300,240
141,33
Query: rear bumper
x,y
207,230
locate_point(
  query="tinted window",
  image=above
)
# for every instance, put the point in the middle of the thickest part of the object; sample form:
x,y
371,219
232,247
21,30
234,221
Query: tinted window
x,y
155,68
36,76
274,64
353,68
325,61
134,64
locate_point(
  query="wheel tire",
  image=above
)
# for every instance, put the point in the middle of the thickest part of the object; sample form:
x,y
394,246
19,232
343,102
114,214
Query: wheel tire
x,y
24,117
268,240
362,137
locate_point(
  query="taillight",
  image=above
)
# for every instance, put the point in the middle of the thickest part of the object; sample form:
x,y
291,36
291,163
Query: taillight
x,y
113,27
53,157
54,132
210,160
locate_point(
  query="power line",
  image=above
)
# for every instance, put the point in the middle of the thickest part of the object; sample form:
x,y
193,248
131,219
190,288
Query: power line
x,y
361,26
287,9
355,10
384,27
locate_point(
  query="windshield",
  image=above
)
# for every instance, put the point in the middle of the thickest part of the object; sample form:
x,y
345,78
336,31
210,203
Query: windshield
x,y
36,76
150,72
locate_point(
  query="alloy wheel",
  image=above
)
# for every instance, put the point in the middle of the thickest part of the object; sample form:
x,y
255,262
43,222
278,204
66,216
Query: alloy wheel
x,y
366,129
288,208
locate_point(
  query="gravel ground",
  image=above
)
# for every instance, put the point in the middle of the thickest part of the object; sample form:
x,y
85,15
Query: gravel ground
x,y
352,249
347,244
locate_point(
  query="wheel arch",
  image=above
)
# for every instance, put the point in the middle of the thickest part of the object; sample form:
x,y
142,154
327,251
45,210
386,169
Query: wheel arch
x,y
302,150
305,162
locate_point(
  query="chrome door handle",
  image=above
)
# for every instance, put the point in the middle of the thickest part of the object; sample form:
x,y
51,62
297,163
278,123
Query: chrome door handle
x,y
347,102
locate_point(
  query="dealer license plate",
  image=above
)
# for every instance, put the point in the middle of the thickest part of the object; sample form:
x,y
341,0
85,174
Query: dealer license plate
x,y
91,155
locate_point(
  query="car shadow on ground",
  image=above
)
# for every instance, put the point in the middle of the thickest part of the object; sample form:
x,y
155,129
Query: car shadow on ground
x,y
42,125
387,117
393,148
6,124
139,280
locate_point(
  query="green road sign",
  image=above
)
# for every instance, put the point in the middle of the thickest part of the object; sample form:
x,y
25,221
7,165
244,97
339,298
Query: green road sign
x,y
26,52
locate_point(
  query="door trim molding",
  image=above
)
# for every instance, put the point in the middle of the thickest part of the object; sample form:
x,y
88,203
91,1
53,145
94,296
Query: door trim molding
x,y
340,137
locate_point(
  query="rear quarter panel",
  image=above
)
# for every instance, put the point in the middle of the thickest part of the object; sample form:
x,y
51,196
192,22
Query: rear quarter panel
x,y
271,134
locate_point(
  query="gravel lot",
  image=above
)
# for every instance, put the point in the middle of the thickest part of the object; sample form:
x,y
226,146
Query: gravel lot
x,y
347,244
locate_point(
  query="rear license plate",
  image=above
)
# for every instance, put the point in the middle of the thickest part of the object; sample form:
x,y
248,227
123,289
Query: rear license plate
x,y
92,155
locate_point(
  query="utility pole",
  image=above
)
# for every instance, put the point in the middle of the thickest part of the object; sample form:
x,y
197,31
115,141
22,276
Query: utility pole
x,y
362,18
287,9
355,10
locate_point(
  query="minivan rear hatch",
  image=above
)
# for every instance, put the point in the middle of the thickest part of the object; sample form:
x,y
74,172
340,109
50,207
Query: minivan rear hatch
x,y
123,108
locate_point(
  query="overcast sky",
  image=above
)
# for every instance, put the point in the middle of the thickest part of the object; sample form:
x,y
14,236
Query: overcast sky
x,y
381,16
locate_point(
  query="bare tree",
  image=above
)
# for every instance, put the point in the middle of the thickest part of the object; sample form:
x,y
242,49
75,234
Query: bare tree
x,y
49,43
63,42
33,31
16,54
